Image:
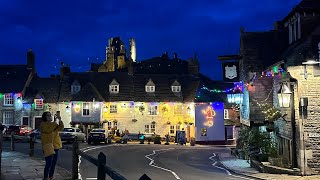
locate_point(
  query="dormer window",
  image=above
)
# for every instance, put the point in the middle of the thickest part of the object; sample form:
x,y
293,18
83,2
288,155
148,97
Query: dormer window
x,y
176,87
150,86
75,87
114,87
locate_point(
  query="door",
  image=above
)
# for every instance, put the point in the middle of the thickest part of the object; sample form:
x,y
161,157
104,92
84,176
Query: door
x,y
25,121
37,121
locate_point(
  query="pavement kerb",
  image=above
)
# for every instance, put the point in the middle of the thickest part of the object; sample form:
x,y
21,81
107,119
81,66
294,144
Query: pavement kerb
x,y
235,172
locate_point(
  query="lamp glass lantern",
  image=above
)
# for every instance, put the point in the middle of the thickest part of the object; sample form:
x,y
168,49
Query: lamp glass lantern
x,y
284,96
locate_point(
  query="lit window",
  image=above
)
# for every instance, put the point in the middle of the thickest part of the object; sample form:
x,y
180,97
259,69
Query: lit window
x,y
177,109
150,88
114,88
75,89
85,109
38,104
8,117
115,125
8,99
146,128
113,108
152,110
172,129
226,114
109,125
153,128
178,127
176,88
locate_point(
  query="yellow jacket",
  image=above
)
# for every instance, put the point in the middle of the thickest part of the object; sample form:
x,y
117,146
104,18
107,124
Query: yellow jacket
x,y
57,144
47,130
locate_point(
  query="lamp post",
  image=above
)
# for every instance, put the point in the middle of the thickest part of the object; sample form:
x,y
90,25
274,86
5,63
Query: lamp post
x,y
286,100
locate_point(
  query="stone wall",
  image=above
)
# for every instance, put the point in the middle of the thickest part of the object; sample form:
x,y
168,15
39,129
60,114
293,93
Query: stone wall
x,y
309,128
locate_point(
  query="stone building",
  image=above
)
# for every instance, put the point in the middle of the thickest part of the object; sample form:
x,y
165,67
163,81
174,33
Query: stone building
x,y
270,59
14,79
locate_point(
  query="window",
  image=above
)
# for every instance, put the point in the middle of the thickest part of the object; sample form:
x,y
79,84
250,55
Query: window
x,y
150,88
146,128
109,125
7,117
75,88
115,125
152,110
85,109
113,108
226,114
177,109
153,128
176,88
204,132
172,129
178,127
38,104
8,99
114,88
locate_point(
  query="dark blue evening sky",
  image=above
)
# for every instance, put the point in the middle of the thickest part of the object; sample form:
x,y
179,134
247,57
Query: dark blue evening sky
x,y
76,31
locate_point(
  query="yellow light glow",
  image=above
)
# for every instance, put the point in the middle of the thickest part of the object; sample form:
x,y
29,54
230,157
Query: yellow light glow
x,y
77,108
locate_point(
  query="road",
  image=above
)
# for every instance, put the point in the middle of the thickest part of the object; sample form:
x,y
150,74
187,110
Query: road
x,y
157,161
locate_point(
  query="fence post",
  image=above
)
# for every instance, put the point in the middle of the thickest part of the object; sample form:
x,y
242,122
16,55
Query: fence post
x,y
75,160
12,141
31,151
102,160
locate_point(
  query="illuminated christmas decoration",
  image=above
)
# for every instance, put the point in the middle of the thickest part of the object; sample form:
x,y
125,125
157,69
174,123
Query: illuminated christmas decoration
x,y
209,114
77,108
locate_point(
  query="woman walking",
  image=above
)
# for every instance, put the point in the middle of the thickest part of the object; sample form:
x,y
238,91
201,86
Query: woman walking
x,y
47,128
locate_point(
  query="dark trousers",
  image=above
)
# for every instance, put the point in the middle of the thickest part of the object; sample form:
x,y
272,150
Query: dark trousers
x,y
50,166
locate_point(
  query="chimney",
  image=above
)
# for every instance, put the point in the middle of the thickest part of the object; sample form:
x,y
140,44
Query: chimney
x,y
277,25
175,55
130,64
30,60
64,70
194,66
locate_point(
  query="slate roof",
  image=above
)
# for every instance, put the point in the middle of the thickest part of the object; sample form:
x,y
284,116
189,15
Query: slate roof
x,y
48,88
304,6
262,49
13,78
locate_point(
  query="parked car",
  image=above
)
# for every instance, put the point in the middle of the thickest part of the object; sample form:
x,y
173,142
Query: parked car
x,y
20,130
97,136
69,134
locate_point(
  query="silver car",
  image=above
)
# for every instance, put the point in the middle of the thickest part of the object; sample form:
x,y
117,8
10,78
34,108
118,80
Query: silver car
x,y
69,134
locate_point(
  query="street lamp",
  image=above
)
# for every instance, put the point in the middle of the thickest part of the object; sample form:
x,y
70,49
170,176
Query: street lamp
x,y
286,99
284,96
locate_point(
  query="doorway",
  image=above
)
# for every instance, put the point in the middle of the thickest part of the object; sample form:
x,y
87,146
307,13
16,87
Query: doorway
x,y
25,121
37,122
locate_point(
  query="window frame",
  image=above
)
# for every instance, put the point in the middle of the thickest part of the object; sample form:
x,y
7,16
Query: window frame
x,y
8,99
75,88
153,110
113,109
114,89
176,88
147,128
109,125
226,114
152,128
85,110
150,89
38,104
172,129
6,119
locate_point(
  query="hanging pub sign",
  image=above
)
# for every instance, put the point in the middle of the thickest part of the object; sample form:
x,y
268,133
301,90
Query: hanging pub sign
x,y
230,71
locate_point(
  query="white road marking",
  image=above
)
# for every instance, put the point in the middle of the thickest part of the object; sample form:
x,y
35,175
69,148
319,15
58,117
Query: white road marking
x,y
153,165
91,178
228,172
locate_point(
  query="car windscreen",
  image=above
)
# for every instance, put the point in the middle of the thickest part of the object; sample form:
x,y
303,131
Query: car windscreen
x,y
98,130
14,127
68,130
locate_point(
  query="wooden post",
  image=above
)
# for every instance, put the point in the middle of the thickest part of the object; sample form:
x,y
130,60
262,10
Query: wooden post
x,y
12,141
31,151
102,160
75,160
